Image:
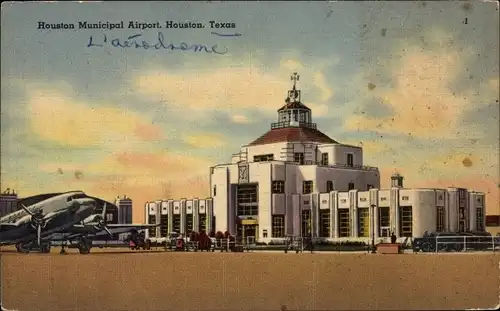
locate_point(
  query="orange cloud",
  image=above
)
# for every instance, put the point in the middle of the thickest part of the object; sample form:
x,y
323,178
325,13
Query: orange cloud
x,y
55,116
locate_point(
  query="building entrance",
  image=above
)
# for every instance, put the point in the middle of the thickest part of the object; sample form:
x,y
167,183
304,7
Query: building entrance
x,y
248,228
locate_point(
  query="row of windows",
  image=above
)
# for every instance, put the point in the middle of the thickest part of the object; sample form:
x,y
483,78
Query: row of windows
x,y
278,186
298,157
344,223
176,224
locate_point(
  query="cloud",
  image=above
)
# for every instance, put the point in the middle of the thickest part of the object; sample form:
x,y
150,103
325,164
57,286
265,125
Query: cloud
x,y
369,147
240,119
205,140
420,97
57,117
235,89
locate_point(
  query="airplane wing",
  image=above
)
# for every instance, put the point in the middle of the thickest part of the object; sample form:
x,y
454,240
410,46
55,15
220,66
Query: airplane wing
x,y
135,226
113,228
7,226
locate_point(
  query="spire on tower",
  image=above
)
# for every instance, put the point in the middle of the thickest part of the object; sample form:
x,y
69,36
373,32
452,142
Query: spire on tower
x,y
293,94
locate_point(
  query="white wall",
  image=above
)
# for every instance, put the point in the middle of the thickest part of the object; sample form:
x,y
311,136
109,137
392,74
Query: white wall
x,y
424,210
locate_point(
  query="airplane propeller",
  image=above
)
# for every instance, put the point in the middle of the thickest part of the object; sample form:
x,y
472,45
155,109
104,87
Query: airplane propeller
x,y
101,222
38,221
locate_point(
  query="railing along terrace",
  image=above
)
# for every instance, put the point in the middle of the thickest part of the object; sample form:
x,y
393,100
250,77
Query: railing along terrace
x,y
462,243
278,125
357,167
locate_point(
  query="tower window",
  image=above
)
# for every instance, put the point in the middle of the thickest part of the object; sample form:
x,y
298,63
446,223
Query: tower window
x,y
324,159
307,187
278,186
479,219
263,158
440,219
350,159
278,229
329,185
298,157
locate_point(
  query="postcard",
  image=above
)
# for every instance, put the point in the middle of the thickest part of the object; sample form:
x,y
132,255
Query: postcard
x,y
249,155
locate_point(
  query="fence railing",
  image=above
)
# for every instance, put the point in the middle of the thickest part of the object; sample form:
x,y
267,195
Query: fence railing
x,y
466,243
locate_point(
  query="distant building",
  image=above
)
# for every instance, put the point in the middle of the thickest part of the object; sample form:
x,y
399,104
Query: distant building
x,y
8,202
124,205
296,180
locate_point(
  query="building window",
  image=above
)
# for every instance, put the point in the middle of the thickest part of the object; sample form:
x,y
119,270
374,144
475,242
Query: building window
x,y
343,200
307,187
177,223
324,223
440,219
351,186
247,200
384,219
202,222
324,159
306,223
264,233
212,225
152,221
329,185
363,222
362,199
215,191
440,197
405,198
405,221
344,223
189,222
278,186
350,159
263,158
298,157
109,217
278,229
368,187
383,199
479,219
164,226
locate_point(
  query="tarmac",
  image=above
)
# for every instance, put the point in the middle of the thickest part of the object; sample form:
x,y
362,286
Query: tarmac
x,y
121,279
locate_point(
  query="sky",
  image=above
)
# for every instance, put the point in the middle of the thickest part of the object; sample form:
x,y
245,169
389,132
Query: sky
x,y
416,84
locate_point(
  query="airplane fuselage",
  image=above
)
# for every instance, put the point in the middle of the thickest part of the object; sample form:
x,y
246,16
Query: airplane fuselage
x,y
67,209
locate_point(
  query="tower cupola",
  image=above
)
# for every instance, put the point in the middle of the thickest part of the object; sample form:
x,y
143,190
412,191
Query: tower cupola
x,y
294,113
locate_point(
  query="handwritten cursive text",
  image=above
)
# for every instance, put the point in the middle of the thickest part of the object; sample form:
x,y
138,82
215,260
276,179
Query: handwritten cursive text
x,y
138,42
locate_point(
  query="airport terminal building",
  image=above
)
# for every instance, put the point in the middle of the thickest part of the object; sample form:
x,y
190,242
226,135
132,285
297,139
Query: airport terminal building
x,y
296,180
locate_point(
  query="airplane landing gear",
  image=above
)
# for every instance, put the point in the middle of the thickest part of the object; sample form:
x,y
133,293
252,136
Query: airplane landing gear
x,y
63,249
23,248
84,245
45,247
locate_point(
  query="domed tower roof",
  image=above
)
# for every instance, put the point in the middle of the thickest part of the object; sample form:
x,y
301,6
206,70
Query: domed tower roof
x,y
294,122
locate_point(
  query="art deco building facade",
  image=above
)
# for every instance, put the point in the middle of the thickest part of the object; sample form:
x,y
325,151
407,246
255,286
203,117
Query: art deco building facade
x,y
296,180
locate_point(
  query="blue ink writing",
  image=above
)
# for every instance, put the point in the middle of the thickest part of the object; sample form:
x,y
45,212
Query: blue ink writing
x,y
136,41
